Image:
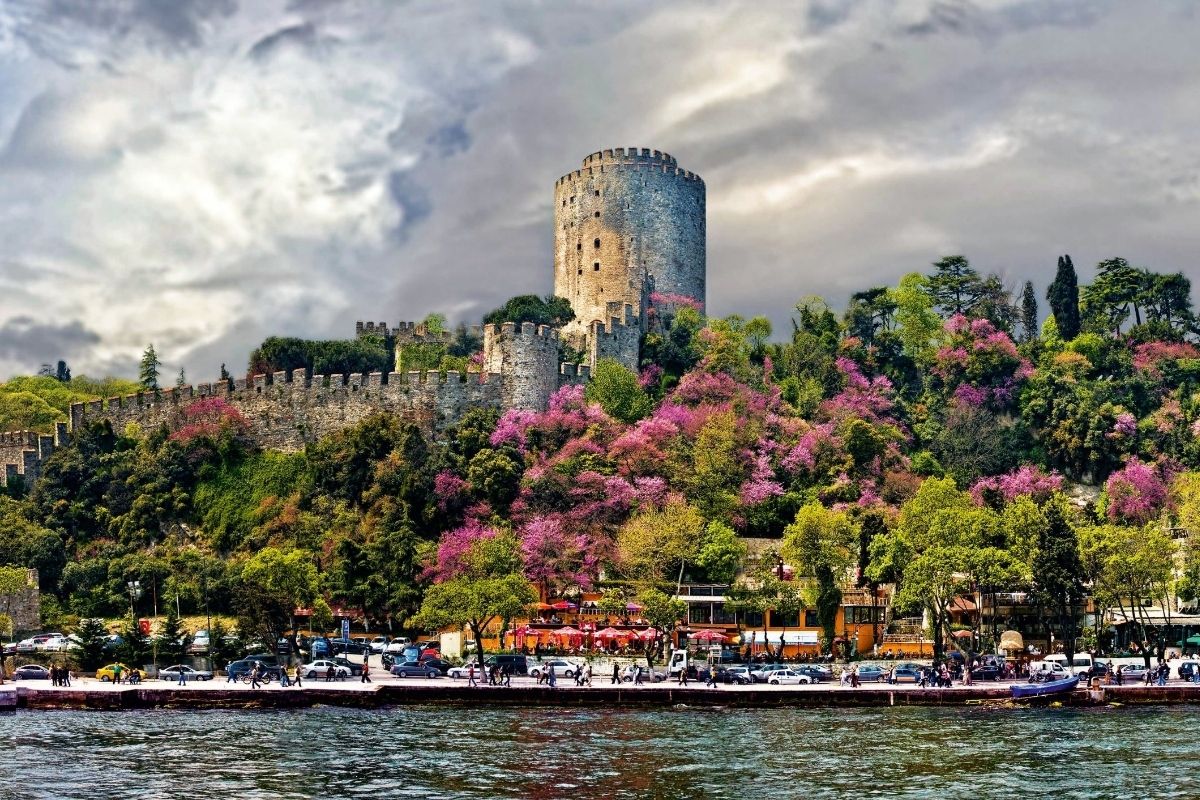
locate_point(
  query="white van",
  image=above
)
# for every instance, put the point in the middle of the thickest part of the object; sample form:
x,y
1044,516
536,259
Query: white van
x,y
1081,663
1054,670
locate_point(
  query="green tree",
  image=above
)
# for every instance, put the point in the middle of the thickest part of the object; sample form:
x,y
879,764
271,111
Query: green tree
x,y
618,392
93,639
550,310
721,553
491,587
823,544
1029,313
1057,575
656,546
148,369
495,475
272,583
664,613
918,324
955,287
134,650
1117,289
174,640
1063,296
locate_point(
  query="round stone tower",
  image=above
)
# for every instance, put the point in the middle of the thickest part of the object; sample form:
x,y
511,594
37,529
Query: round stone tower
x,y
627,224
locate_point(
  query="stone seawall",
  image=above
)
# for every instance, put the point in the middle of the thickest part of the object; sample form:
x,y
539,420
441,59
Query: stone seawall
x,y
419,693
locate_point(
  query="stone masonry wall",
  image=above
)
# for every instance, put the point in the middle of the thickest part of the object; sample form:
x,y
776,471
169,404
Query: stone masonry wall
x,y
286,412
22,453
629,223
25,606
619,338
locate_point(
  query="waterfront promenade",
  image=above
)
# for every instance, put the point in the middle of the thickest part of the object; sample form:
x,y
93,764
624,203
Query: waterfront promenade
x,y
387,690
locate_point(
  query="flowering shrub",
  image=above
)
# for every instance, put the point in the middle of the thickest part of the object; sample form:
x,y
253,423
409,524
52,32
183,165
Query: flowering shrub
x,y
453,549
1027,481
982,359
208,417
1136,493
1151,357
675,300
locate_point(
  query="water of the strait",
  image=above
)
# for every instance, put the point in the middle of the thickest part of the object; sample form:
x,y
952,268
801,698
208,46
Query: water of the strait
x,y
555,753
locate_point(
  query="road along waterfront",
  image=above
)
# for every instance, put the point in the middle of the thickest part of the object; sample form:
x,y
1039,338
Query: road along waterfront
x,y
454,752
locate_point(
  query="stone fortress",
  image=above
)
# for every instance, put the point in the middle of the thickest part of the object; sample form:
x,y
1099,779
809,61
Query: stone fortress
x,y
628,225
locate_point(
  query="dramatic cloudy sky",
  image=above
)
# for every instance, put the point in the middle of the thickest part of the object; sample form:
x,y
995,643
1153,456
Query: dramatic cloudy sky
x,y
204,173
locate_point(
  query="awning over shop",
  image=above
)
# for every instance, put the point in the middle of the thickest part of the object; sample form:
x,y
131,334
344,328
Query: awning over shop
x,y
789,637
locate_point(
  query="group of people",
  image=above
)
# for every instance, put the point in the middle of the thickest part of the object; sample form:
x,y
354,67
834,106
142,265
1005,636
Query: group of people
x,y
495,675
59,675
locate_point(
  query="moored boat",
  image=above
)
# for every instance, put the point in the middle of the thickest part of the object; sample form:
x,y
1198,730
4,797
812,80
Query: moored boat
x,y
1023,691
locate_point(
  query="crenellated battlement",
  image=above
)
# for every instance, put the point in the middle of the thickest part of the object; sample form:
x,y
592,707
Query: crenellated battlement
x,y
665,169
626,155
22,453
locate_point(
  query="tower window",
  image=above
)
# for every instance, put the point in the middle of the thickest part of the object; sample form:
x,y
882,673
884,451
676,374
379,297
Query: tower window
x,y
597,193
597,213
579,245
596,242
572,198
580,272
596,267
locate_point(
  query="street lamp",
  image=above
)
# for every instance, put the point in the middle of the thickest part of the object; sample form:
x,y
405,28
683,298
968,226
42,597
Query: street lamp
x,y
135,591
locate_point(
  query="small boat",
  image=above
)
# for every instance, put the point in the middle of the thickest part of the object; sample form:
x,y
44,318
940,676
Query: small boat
x,y
1024,691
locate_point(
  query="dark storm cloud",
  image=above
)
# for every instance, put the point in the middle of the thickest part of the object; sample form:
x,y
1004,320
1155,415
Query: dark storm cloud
x,y
205,174
42,342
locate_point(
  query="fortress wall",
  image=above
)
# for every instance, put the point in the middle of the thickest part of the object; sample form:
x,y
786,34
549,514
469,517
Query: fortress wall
x,y
22,453
287,412
619,339
527,356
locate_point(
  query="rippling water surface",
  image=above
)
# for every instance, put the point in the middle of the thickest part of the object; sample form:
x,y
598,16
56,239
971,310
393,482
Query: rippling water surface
x,y
555,753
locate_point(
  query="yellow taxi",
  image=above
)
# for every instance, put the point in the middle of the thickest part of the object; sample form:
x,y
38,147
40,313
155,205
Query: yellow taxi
x,y
109,673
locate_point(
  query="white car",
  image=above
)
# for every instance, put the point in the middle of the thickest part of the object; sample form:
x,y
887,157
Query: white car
x,y
320,668
765,671
787,676
648,675
379,644
461,672
562,668
199,643
396,646
54,643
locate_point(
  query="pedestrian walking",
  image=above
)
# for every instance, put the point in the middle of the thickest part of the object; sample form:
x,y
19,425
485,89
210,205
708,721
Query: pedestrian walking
x,y
854,678
182,676
683,676
229,673
254,677
616,676
637,675
366,673
711,678
297,675
116,673
587,678
471,674
67,676
507,672
329,674
284,680
551,677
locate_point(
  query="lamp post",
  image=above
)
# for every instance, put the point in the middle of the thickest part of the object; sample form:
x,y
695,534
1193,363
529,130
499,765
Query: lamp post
x,y
135,591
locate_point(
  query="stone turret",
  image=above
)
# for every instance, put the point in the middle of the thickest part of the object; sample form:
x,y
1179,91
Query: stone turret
x,y
526,356
629,223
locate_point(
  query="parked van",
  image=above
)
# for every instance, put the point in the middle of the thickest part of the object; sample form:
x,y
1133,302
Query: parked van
x,y
1081,663
517,665
1053,669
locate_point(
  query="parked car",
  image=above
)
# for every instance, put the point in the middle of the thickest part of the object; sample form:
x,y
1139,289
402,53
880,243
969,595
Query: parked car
x,y
31,672
648,675
441,665
562,668
242,667
415,669
459,672
199,643
54,642
867,673
986,672
787,676
108,673
516,664
1132,673
814,671
1187,670
356,668
762,673
906,672
171,673
349,647
739,675
36,643
379,644
320,668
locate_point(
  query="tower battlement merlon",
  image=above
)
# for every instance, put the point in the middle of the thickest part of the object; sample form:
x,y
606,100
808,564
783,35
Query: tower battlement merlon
x,y
627,155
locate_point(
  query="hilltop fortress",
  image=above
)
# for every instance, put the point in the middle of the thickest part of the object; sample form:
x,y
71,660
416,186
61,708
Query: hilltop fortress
x,y
628,226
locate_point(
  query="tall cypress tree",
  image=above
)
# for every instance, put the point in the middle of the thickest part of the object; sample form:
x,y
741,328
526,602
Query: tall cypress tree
x,y
148,370
1029,312
1063,295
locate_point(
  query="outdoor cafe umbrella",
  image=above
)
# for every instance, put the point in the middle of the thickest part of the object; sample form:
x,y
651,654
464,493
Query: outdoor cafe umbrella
x,y
632,607
562,605
612,633
648,635
1191,640
708,635
962,634
568,632
543,606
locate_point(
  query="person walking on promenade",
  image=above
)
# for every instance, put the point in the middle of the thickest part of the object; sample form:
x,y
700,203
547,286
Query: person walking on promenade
x,y
182,677
637,675
854,678
284,680
616,676
587,678
116,673
297,675
366,673
254,677
67,676
229,673
552,678
329,674
683,676
471,674
507,673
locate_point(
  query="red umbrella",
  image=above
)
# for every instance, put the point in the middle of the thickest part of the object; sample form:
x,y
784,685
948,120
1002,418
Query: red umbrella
x,y
568,631
612,633
962,634
648,635
562,605
708,635
543,606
